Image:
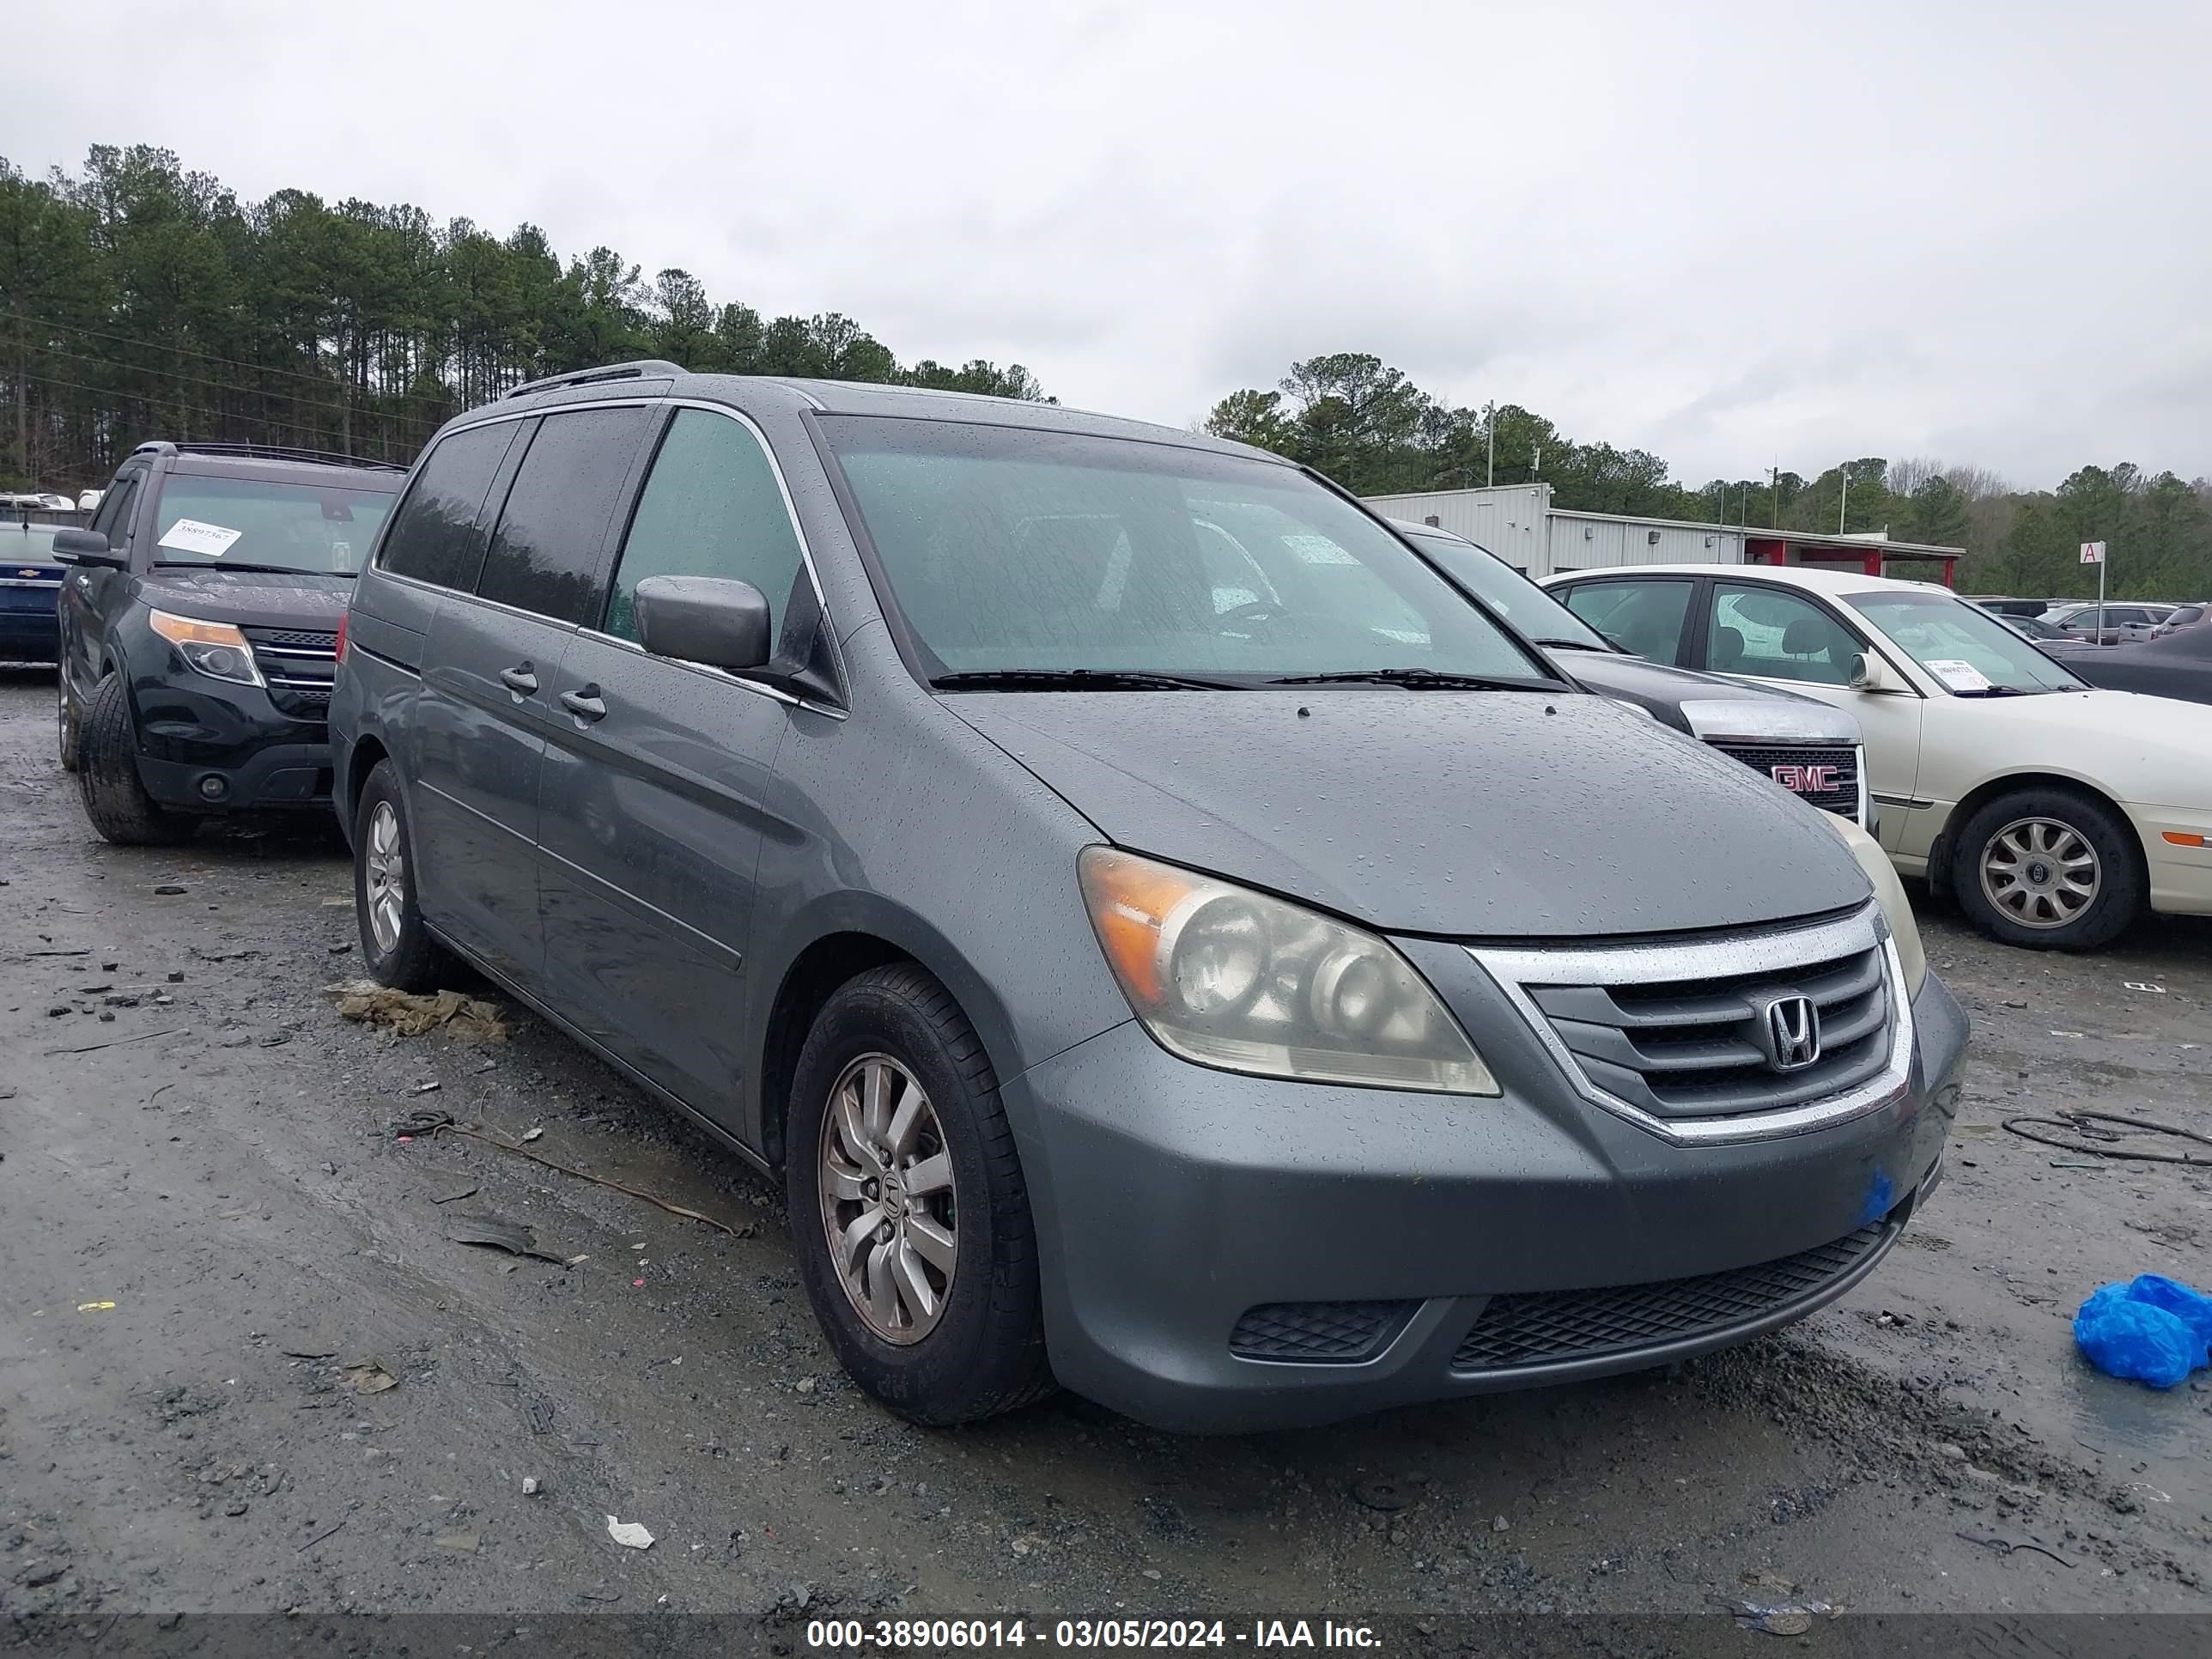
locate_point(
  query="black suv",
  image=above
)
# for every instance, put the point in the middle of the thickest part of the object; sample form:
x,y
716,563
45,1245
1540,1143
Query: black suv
x,y
198,631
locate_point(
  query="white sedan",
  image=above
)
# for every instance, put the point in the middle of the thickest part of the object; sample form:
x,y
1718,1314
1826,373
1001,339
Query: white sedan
x,y
2055,812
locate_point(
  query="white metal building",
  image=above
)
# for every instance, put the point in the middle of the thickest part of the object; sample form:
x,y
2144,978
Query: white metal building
x,y
1518,523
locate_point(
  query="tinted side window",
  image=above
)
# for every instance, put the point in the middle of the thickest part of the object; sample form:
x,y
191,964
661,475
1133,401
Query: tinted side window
x,y
545,555
112,519
1778,637
1645,617
710,507
435,537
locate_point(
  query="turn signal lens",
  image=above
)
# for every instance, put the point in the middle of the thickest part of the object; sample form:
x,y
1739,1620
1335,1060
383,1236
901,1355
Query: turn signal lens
x,y
215,649
2183,838
1234,979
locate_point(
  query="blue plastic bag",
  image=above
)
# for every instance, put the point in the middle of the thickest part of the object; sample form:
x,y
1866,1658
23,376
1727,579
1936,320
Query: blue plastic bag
x,y
2152,1328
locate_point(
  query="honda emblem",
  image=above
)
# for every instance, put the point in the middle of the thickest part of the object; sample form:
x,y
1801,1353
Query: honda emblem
x,y
1791,1028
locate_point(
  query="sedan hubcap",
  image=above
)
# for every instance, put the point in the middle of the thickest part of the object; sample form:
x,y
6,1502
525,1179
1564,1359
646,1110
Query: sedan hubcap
x,y
888,1205
387,877
2040,872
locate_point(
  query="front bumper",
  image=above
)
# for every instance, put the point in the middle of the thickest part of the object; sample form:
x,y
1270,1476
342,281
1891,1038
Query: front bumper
x,y
1171,1201
191,729
2180,870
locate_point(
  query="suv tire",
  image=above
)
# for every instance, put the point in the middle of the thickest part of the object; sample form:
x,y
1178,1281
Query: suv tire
x,y
115,797
2052,869
394,941
67,720
979,1350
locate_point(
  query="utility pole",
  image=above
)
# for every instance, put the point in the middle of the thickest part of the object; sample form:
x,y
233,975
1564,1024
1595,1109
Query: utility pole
x,y
1490,437
1774,476
1845,473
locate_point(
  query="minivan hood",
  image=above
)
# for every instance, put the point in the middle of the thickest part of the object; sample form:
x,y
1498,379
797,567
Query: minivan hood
x,y
1467,814
252,598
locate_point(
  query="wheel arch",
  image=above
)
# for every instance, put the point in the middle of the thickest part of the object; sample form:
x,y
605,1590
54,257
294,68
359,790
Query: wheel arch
x,y
1941,851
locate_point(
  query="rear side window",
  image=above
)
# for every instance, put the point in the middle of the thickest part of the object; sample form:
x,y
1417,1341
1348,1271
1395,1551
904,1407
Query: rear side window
x,y
1645,617
711,508
435,538
545,555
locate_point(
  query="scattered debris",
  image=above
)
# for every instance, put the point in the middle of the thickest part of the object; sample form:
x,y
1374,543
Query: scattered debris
x,y
94,1307
455,1198
430,1088
2104,1143
171,889
1387,1497
1501,1524
530,1486
309,1348
2142,985
117,1042
457,1543
511,1237
2011,1547
86,952
469,1019
2152,1329
629,1534
532,1133
427,1124
319,1536
367,1376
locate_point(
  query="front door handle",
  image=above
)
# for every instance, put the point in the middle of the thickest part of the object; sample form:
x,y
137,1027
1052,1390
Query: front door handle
x,y
520,679
584,705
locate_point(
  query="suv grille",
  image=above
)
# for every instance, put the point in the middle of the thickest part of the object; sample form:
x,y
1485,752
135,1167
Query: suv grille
x,y
1316,1332
298,664
1825,775
1679,1035
1554,1326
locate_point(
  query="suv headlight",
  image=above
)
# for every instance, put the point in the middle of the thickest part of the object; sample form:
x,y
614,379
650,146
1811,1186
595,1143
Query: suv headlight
x,y
1234,979
1889,893
215,649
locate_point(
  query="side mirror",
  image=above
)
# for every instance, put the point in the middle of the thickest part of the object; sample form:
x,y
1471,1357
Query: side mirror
x,y
75,546
712,620
1870,673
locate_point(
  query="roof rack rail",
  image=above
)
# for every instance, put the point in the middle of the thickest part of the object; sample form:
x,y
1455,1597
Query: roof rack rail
x,y
645,366
266,453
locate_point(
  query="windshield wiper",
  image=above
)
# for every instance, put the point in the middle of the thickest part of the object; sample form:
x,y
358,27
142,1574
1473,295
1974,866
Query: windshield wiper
x,y
1576,645
256,570
1418,679
1072,679
2004,691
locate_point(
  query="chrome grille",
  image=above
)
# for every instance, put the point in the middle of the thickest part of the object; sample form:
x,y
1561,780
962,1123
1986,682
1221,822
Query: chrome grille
x,y
298,663
1552,1326
1827,776
1316,1332
1672,1034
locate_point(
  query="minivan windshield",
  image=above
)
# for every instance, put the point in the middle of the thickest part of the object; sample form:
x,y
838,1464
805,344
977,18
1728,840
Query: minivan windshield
x,y
1077,560
1510,594
1965,647
318,529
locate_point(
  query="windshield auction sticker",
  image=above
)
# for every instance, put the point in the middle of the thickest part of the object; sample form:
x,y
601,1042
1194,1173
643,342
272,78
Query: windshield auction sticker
x,y
190,536
1958,676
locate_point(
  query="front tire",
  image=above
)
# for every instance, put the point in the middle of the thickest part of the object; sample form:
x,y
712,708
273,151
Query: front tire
x,y
2050,869
395,942
115,797
908,1207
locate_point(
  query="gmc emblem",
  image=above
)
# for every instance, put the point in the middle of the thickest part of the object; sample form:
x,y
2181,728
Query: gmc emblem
x,y
1807,780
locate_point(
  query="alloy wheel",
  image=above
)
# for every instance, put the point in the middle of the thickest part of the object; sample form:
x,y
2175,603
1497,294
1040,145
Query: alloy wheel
x,y
2040,872
888,1202
388,876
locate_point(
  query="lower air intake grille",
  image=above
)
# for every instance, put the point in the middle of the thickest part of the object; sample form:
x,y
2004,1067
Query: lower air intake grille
x,y
1316,1332
1552,1326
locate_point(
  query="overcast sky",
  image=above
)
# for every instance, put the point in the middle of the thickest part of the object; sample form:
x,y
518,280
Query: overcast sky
x,y
1723,233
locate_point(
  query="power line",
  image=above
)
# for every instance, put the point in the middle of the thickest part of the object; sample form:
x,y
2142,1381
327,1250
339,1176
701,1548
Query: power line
x,y
341,394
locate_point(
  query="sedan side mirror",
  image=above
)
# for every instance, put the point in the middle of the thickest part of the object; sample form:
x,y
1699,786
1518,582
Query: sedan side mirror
x,y
1870,673
76,546
713,620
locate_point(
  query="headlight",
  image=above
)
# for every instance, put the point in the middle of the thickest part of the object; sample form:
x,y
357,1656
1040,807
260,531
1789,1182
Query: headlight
x,y
1889,893
1234,979
215,649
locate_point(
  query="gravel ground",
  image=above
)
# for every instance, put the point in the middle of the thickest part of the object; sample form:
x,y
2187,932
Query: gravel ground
x,y
224,1172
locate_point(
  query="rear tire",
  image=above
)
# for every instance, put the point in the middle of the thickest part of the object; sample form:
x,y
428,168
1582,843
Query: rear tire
x,y
395,942
2048,868
67,720
940,1347
115,797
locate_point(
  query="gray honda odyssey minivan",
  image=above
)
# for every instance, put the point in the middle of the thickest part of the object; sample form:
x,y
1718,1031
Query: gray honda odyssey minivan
x,y
1171,941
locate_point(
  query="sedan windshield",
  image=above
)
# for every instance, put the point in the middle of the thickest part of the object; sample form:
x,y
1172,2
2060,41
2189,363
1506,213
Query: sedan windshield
x,y
318,529
1511,594
1969,652
1012,551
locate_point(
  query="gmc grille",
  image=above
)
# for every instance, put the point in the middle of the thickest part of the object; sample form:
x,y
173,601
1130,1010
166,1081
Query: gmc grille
x,y
1825,775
